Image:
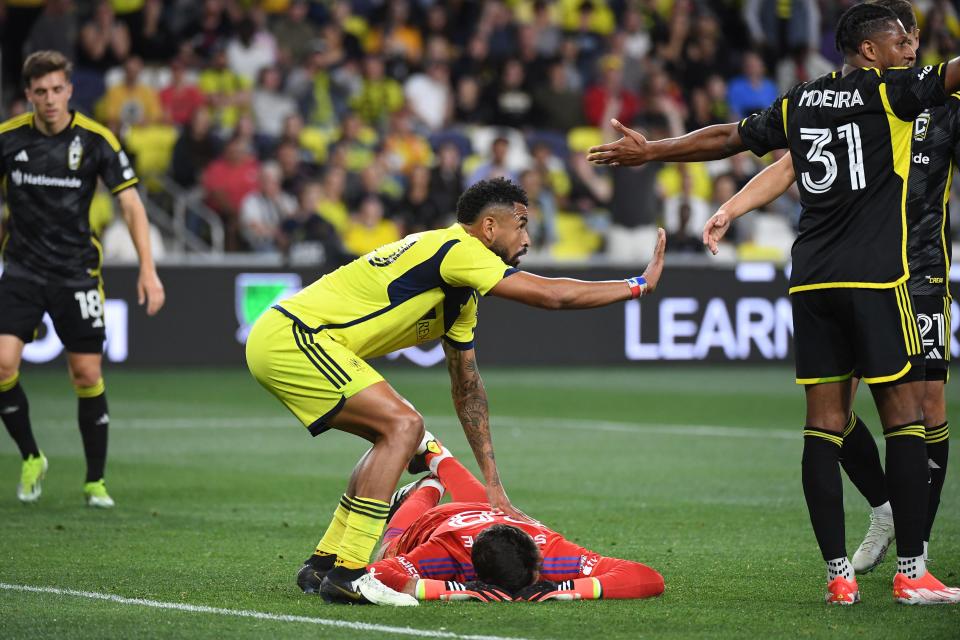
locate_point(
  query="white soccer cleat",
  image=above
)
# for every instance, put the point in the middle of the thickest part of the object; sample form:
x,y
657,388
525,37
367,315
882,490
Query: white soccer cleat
x,y
924,591
873,549
378,593
338,587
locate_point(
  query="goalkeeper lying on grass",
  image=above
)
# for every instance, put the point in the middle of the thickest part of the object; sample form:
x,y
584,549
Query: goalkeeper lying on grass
x,y
464,550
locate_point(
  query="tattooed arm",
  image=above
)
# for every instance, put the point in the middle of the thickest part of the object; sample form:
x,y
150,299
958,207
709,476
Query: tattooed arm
x,y
470,402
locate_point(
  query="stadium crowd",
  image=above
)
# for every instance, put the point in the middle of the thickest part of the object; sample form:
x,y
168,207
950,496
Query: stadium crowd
x,y
327,129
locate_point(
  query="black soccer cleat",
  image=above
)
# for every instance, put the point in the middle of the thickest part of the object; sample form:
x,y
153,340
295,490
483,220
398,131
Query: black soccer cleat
x,y
339,586
356,586
313,571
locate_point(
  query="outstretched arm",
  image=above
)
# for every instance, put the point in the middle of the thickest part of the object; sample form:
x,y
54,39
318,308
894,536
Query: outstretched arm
x,y
149,287
470,402
610,579
567,293
764,188
632,149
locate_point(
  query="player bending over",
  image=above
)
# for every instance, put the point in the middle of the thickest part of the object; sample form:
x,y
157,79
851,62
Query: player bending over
x,y
466,550
310,351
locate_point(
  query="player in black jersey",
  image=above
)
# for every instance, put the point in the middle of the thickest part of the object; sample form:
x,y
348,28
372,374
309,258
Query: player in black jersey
x,y
935,150
849,134
50,161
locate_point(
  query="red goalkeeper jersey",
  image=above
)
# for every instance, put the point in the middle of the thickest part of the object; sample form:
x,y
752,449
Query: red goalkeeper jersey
x,y
438,546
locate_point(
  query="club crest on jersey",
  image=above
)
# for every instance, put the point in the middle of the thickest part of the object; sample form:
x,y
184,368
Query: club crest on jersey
x,y
920,126
831,98
75,154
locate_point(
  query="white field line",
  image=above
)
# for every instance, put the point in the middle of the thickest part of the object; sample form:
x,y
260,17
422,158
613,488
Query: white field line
x,y
499,422
246,613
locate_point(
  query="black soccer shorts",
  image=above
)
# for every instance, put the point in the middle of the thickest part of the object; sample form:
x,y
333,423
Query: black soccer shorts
x,y
872,332
77,313
933,320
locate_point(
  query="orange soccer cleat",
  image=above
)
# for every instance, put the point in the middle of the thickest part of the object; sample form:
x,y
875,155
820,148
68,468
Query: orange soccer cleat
x,y
842,591
923,590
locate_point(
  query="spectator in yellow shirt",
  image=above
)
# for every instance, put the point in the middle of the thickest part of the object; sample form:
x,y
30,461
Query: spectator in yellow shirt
x,y
368,229
130,102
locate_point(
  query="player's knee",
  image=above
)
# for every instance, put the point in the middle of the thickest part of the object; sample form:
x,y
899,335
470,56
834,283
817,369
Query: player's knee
x,y
407,430
85,377
828,420
8,371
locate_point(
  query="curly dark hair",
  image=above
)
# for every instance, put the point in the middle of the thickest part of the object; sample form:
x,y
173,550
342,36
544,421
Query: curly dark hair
x,y
903,9
506,557
485,193
861,22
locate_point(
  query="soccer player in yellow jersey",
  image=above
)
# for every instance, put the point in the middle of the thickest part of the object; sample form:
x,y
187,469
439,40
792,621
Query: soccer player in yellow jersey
x,y
310,351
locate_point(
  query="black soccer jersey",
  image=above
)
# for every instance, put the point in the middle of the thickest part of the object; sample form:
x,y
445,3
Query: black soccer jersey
x,y
935,151
849,137
49,182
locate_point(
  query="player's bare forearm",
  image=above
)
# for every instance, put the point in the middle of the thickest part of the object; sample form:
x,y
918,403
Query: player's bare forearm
x,y
470,403
567,293
149,288
709,143
561,293
764,188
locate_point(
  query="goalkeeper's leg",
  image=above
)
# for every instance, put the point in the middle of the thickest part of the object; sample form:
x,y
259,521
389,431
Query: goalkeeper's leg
x,y
456,479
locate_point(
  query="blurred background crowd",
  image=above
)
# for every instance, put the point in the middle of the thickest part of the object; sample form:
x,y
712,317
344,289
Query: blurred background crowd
x,y
319,130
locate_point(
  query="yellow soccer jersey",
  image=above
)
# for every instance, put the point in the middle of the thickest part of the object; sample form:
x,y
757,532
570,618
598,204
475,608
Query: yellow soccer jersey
x,y
405,293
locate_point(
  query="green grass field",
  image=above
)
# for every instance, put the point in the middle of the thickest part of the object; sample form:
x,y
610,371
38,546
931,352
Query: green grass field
x,y
221,495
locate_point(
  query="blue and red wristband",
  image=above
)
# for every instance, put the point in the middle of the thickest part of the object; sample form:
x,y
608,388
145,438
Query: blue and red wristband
x,y
638,286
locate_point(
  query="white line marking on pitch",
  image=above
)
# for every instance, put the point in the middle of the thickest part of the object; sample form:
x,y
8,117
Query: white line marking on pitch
x,y
270,422
246,613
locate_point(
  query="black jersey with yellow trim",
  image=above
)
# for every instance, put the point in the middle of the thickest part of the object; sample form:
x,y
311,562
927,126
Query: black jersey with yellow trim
x,y
849,136
934,155
49,182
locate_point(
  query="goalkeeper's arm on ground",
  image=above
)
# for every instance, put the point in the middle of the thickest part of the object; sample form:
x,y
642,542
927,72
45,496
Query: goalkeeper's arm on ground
x,y
608,578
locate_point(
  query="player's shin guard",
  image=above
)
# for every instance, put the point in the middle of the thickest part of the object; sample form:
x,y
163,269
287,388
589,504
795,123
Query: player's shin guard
x,y
823,489
94,422
861,460
938,449
15,411
364,526
907,478
330,541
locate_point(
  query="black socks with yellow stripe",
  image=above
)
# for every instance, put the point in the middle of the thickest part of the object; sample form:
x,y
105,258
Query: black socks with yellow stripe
x,y
938,448
94,421
354,531
861,460
15,412
823,490
907,478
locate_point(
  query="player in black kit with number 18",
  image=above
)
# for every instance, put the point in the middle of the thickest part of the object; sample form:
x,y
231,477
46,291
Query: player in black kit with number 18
x,y
50,160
